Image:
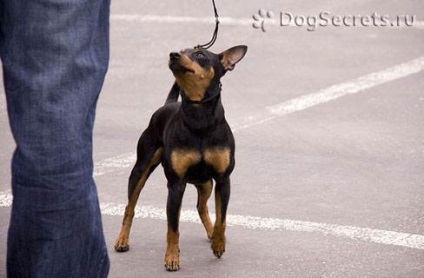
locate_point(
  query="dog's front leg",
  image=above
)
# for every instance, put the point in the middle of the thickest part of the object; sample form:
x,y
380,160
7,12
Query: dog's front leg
x,y
204,191
222,197
173,209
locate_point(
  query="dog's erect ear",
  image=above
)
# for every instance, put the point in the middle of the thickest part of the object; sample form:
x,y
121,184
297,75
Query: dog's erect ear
x,y
230,57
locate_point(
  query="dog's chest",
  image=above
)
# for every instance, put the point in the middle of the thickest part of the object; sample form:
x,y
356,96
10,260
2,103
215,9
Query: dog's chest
x,y
218,158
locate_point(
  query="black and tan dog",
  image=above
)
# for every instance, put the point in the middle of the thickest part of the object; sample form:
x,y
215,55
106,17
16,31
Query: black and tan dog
x,y
193,142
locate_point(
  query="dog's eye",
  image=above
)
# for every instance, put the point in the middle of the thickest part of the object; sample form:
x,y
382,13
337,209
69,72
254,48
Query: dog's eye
x,y
199,55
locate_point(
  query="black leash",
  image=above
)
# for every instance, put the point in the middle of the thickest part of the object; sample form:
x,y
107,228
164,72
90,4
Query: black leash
x,y
215,33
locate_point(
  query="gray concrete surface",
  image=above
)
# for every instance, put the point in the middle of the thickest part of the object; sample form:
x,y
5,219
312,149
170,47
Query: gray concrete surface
x,y
355,161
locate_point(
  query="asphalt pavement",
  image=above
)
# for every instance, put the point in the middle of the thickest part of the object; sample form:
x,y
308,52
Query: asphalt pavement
x,y
329,177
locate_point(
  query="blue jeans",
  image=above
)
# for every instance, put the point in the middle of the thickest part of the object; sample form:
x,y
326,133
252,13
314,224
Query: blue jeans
x,y
55,56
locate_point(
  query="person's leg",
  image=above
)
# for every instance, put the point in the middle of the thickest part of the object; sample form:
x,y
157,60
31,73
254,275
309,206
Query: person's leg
x,y
55,56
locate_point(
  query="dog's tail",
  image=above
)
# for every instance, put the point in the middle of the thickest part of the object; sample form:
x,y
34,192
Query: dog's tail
x,y
173,94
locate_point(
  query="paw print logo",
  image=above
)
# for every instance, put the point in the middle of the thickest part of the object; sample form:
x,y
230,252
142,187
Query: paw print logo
x,y
260,18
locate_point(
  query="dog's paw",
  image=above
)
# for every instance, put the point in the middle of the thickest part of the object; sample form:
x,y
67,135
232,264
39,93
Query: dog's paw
x,y
218,245
172,260
121,244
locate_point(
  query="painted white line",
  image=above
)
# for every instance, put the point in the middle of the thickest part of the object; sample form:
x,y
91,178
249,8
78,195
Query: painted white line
x,y
269,224
114,163
418,24
334,92
178,19
6,199
274,224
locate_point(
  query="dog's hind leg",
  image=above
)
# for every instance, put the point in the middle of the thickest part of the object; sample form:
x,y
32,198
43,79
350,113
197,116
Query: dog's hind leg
x,y
203,193
147,159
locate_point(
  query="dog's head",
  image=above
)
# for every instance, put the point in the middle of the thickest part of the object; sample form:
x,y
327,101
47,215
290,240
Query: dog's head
x,y
196,70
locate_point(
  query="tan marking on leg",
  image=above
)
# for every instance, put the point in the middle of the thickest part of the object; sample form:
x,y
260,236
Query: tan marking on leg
x,y
172,255
122,242
219,158
204,192
182,159
218,236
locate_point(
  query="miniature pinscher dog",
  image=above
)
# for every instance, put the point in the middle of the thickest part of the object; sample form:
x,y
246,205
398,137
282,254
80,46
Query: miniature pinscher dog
x,y
193,142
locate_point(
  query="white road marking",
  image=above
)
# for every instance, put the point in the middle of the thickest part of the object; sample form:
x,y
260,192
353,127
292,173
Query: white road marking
x,y
334,92
331,93
268,224
6,199
275,224
418,24
109,165
178,19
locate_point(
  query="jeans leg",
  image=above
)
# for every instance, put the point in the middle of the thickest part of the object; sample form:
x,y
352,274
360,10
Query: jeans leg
x,y
55,56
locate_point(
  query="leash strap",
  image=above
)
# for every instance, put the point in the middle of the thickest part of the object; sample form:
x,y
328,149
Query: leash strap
x,y
215,33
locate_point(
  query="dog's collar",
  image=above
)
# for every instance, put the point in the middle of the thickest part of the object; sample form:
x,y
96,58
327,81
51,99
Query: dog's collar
x,y
212,96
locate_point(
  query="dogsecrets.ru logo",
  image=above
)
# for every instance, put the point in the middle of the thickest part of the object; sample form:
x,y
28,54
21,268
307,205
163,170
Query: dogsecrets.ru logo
x,y
264,19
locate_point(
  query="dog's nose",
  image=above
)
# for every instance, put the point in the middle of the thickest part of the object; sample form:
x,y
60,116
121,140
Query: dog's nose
x,y
174,56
